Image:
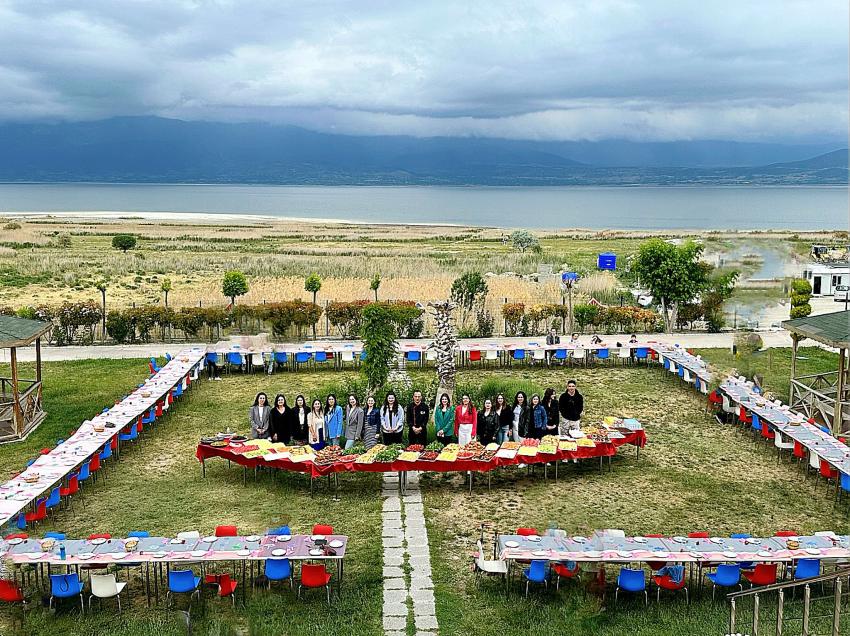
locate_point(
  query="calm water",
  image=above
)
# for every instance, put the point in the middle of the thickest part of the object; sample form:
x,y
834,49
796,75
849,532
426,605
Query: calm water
x,y
824,207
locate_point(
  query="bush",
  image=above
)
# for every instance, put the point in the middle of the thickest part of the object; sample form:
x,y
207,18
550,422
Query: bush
x,y
124,242
801,286
63,241
585,314
513,313
234,284
748,343
12,225
118,327
801,311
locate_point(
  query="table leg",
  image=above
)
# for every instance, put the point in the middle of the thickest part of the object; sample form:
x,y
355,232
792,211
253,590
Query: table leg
x,y
470,482
244,475
203,469
558,461
148,583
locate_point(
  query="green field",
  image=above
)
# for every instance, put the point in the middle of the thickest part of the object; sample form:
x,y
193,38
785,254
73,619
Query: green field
x,y
693,475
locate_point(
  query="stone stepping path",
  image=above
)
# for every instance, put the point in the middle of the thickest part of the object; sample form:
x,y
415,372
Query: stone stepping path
x,y
405,543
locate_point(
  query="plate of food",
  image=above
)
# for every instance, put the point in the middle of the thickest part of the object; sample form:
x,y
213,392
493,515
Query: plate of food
x,y
511,544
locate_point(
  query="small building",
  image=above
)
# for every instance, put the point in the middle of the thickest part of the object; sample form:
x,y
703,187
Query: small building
x,y
825,277
21,407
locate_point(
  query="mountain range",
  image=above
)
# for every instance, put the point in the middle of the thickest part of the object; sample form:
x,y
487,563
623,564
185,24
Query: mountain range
x,y
152,149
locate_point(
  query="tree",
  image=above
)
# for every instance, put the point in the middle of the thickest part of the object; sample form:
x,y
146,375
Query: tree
x,y
234,284
585,314
166,287
444,344
378,333
801,294
124,242
375,284
469,292
673,274
100,285
523,240
312,284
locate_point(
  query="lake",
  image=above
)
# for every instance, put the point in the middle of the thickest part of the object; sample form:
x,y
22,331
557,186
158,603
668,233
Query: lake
x,y
639,208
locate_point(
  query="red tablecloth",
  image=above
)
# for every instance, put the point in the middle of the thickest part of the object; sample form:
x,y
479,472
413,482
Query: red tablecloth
x,y
204,451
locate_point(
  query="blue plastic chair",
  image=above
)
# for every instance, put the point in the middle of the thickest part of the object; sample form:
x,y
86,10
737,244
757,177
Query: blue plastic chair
x,y
211,357
234,358
641,353
680,371
844,482
273,532
30,462
167,357
535,573
756,425
66,586
806,569
518,354
278,570
666,363
725,575
182,582
84,473
59,536
302,356
178,390
156,367
138,534
413,356
127,437
362,356
21,522
560,354
280,357
106,453
631,581
149,417
602,354
53,499
321,356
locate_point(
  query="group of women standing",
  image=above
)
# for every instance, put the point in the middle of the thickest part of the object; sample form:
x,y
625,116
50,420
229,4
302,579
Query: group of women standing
x,y
321,423
497,420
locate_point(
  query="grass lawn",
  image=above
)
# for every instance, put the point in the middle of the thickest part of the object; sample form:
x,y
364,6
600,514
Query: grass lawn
x,y
693,475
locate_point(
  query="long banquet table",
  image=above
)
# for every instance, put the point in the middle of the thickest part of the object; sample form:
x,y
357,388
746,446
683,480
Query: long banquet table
x,y
601,449
51,468
793,425
606,548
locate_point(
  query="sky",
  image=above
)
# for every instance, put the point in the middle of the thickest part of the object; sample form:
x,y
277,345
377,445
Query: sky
x,y
749,70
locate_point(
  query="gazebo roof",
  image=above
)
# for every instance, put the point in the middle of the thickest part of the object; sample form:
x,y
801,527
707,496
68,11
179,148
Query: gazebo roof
x,y
830,329
19,332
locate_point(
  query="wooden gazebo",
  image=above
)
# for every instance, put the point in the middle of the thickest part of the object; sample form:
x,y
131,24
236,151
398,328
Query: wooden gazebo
x,y
20,399
822,396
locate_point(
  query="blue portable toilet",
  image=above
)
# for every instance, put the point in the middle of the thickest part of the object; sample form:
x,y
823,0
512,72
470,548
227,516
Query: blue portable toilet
x,y
607,260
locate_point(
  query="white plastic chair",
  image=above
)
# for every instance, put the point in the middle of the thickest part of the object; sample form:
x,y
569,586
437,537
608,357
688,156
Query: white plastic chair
x,y
625,354
579,355
105,586
686,376
257,360
538,354
495,566
673,368
491,355
346,356
782,445
430,355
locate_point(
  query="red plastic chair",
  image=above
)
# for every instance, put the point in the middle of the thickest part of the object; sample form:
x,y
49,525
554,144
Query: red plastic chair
x,y
314,575
527,532
698,535
766,433
39,514
563,572
226,531
158,410
227,587
17,535
742,416
45,451
474,356
72,488
799,450
666,583
323,529
10,592
101,535
764,574
827,470
150,367
94,463
113,443
785,533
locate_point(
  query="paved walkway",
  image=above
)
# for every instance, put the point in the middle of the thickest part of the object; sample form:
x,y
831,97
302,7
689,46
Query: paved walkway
x,y
405,541
690,340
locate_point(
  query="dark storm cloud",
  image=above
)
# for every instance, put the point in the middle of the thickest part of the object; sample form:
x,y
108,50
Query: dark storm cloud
x,y
549,70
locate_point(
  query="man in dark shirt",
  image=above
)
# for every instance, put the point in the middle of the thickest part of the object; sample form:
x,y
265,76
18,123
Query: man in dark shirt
x,y
552,338
570,405
417,420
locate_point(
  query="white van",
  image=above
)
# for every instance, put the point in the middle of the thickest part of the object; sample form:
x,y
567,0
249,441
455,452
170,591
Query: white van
x,y
842,293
